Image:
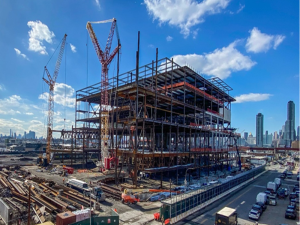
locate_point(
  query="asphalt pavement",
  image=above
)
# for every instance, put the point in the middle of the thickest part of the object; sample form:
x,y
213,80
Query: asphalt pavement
x,y
242,201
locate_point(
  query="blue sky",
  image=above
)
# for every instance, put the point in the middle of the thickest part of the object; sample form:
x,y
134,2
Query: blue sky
x,y
252,45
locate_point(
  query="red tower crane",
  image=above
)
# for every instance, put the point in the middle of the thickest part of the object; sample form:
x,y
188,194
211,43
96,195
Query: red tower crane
x,y
51,82
105,59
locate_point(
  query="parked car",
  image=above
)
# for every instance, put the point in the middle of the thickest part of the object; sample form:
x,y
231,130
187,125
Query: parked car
x,y
289,175
293,201
293,195
254,214
257,208
290,214
281,194
296,185
263,206
286,192
282,176
293,207
272,200
295,189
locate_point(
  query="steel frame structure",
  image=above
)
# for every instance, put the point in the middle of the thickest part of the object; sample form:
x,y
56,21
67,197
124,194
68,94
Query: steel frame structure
x,y
163,117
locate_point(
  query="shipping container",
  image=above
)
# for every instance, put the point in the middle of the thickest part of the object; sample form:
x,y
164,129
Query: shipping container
x,y
65,218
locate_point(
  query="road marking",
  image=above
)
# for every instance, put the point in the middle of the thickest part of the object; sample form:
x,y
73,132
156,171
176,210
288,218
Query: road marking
x,y
255,185
203,221
242,202
238,197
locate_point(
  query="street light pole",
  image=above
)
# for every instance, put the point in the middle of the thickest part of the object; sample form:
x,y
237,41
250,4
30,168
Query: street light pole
x,y
28,219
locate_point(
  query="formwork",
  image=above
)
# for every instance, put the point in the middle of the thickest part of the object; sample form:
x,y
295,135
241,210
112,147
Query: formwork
x,y
162,117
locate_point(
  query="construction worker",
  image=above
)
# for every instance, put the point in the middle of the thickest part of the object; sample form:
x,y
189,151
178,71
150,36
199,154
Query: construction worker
x,y
63,180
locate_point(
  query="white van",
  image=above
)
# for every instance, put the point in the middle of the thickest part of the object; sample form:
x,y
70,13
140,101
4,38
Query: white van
x,y
261,197
278,182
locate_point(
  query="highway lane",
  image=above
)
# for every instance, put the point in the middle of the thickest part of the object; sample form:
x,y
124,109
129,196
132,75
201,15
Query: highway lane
x,y
242,201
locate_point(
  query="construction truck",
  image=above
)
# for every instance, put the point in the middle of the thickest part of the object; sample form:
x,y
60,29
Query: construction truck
x,y
81,186
97,194
226,216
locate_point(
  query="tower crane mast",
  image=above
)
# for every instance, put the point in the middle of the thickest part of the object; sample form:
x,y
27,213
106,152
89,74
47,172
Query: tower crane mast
x,y
105,59
51,82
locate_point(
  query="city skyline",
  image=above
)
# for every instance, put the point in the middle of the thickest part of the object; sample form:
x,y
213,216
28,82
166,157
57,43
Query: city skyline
x,y
248,57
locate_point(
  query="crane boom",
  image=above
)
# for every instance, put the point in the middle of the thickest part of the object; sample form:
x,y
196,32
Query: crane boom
x,y
51,82
105,59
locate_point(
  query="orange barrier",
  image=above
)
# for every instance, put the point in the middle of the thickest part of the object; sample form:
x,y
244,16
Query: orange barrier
x,y
156,216
82,171
161,190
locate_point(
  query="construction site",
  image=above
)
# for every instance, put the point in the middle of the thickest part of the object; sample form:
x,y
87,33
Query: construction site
x,y
140,136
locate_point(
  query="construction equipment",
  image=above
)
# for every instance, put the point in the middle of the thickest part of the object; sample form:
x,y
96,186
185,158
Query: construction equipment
x,y
231,134
51,82
105,59
128,197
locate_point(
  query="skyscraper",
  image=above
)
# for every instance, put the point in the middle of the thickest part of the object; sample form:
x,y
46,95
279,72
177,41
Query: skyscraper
x,y
289,132
259,129
275,135
298,133
246,135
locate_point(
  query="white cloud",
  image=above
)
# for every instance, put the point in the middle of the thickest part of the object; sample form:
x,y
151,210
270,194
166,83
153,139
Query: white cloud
x,y
240,8
220,63
19,53
98,3
73,48
2,88
39,32
16,120
169,38
63,95
8,105
6,125
29,113
261,42
151,46
252,97
184,13
277,40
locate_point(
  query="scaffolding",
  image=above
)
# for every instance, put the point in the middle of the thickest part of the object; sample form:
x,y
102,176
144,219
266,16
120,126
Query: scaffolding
x,y
162,117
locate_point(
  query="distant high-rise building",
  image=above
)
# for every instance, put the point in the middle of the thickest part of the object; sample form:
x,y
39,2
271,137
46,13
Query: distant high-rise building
x,y
24,134
251,140
289,132
280,133
298,133
275,135
30,135
259,129
10,132
246,135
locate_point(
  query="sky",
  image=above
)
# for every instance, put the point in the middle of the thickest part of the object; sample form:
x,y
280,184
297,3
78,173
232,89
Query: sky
x,y
252,45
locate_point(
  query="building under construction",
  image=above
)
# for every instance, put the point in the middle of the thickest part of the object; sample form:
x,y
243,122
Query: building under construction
x,y
162,118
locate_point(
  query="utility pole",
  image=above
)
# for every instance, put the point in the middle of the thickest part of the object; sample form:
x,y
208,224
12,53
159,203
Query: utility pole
x,y
28,219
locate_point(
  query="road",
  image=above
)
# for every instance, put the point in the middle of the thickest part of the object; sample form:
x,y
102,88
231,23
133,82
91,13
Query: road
x,y
242,201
